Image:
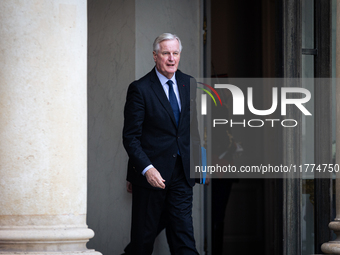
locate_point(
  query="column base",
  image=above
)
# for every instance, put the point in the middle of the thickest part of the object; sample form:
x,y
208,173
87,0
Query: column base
x,y
333,247
43,240
88,252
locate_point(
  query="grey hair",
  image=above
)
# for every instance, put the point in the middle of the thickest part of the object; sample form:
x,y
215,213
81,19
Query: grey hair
x,y
164,37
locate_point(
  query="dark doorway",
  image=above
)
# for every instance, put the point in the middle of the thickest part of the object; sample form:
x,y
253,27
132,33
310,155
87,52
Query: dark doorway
x,y
243,46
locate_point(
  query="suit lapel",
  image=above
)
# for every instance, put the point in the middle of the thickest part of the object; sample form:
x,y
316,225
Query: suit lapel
x,y
182,88
159,91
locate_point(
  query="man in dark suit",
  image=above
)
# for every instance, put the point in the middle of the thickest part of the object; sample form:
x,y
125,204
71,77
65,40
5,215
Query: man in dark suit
x,y
156,137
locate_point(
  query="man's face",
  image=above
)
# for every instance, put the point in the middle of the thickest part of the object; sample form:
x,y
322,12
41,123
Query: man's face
x,y
167,58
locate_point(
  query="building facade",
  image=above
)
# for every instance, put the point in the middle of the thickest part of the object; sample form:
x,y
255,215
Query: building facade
x,y
65,69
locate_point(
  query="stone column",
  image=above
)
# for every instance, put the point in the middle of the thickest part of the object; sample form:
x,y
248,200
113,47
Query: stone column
x,y
43,127
334,246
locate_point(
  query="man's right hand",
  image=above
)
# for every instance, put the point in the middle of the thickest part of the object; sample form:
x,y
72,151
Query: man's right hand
x,y
154,178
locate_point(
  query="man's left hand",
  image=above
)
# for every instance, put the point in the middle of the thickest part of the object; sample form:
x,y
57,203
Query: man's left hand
x,y
154,178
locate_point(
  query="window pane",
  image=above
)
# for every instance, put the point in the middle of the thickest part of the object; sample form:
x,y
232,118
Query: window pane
x,y
308,24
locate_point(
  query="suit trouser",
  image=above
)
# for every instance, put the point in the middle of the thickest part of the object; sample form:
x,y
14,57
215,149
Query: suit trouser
x,y
161,226
147,208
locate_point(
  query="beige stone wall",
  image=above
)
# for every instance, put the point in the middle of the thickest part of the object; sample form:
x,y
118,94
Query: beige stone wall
x,y
111,67
43,107
43,126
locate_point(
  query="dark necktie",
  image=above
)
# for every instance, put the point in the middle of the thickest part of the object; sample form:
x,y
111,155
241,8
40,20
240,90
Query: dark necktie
x,y
173,101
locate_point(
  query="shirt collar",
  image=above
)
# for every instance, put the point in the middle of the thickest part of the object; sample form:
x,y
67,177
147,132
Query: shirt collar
x,y
163,79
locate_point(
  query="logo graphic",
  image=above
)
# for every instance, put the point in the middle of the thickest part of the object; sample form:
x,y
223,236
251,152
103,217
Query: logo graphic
x,y
204,97
238,100
281,99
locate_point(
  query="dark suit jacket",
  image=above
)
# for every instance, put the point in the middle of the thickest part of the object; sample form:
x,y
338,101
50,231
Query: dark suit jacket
x,y
150,135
